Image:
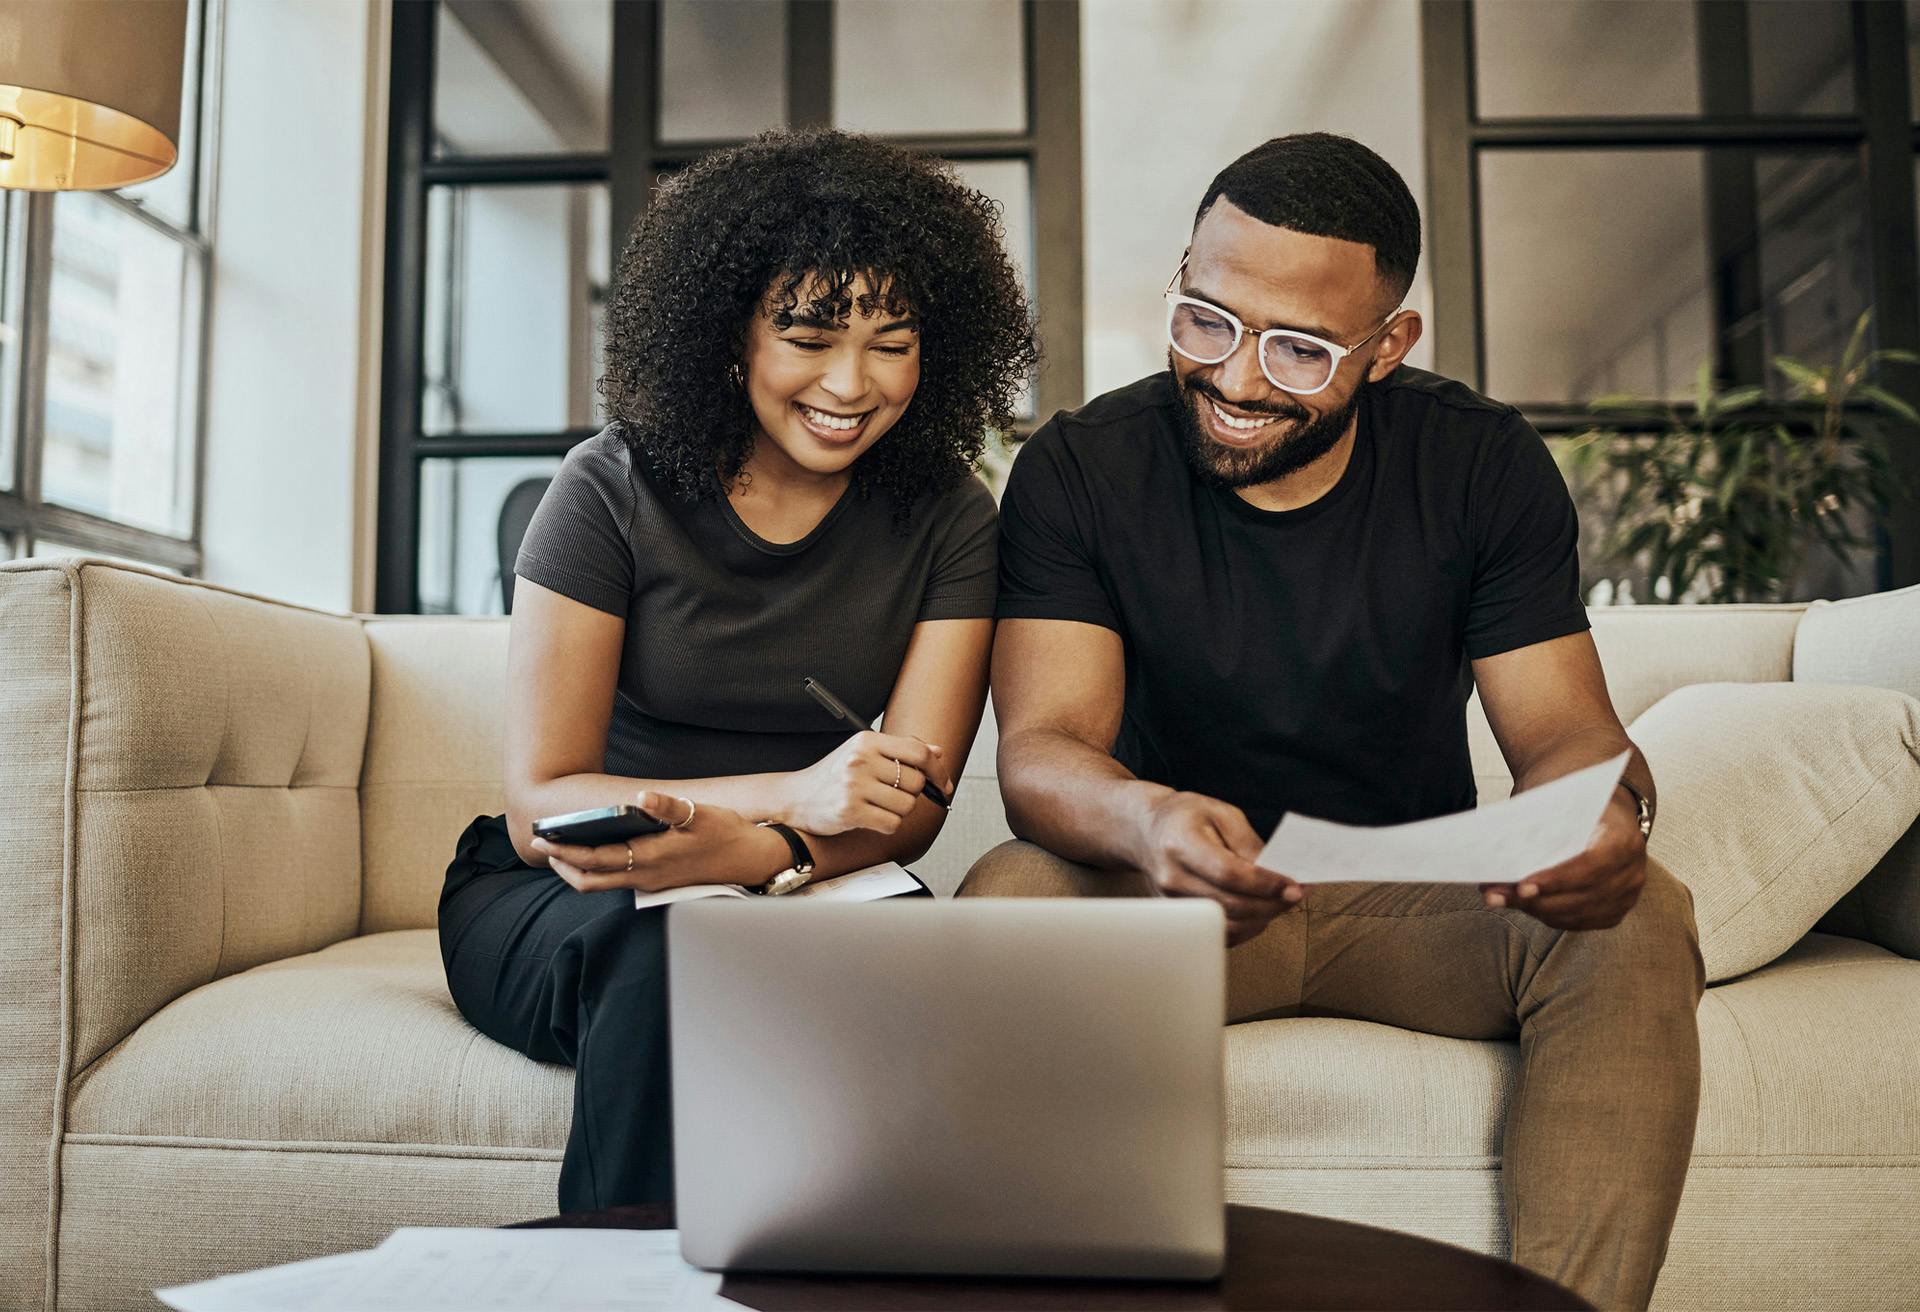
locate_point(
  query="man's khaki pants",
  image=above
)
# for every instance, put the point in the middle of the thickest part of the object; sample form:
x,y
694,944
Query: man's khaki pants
x,y
1600,1127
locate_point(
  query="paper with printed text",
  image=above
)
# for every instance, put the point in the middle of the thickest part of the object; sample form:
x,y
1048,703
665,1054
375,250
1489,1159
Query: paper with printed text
x,y
1497,844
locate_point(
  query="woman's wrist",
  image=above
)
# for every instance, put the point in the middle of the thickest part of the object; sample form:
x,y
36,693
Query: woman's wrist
x,y
784,802
768,857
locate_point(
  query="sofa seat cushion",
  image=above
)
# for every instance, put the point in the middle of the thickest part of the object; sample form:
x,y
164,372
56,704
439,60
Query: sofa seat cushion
x,y
1798,1065
355,1044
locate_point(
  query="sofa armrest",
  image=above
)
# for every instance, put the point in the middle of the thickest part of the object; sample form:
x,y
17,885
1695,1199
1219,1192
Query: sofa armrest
x,y
178,801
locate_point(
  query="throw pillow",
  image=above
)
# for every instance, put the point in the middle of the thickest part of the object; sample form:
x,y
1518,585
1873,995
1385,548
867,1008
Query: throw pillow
x,y
1873,639
1775,799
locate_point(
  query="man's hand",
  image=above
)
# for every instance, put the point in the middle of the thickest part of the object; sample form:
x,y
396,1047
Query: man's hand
x,y
1195,846
1595,889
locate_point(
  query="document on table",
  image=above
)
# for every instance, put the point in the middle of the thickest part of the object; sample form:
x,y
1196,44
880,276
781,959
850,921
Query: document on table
x,y
1496,844
460,1269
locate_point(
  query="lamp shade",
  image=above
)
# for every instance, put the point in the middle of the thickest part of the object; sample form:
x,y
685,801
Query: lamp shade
x,y
89,92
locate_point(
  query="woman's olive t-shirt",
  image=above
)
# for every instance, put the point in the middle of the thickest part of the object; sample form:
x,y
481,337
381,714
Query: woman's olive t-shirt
x,y
722,625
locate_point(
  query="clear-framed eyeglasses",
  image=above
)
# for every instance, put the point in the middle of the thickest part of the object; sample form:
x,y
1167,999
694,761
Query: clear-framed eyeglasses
x,y
1293,361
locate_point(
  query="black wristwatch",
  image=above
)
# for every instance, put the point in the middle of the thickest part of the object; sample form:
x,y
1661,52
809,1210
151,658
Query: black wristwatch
x,y
795,875
1645,807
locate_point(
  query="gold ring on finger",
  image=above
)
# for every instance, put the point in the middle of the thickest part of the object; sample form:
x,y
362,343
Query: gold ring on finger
x,y
692,811
629,847
896,774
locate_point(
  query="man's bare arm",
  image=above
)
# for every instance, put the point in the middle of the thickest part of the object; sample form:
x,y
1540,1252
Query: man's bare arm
x,y
1058,691
1549,710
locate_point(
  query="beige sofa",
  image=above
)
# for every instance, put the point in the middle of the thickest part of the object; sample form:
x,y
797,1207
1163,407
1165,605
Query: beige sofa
x,y
227,1042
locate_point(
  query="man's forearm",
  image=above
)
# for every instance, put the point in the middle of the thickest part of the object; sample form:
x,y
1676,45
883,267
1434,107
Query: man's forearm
x,y
1583,748
1074,799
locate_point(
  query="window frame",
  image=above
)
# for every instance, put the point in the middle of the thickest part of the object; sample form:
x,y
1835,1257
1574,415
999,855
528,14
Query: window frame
x,y
629,168
25,517
1881,131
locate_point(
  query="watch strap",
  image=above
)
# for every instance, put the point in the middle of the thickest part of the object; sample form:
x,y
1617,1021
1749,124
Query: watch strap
x,y
802,868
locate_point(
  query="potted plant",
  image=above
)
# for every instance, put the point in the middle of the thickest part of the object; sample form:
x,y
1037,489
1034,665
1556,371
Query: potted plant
x,y
1723,502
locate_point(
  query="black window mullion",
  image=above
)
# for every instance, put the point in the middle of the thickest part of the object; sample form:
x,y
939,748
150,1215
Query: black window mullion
x,y
634,125
37,279
516,170
1453,202
1881,76
403,297
1053,44
809,63
1732,197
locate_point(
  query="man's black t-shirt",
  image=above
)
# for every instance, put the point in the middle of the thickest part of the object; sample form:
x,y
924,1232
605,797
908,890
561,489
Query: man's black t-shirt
x,y
1311,660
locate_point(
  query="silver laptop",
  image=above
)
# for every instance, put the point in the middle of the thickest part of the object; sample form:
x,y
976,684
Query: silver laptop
x,y
979,1087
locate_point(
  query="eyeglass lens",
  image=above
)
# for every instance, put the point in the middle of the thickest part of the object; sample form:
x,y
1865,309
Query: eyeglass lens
x,y
1208,337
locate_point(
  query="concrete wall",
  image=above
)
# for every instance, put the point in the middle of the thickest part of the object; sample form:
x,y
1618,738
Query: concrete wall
x,y
283,408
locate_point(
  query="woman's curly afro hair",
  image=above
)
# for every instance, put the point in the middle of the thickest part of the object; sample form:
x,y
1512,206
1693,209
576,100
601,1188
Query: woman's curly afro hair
x,y
748,230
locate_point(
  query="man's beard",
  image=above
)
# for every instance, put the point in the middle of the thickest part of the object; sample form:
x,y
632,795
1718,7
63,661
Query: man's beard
x,y
1226,467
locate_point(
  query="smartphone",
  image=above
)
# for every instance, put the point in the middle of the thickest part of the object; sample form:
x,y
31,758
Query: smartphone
x,y
608,824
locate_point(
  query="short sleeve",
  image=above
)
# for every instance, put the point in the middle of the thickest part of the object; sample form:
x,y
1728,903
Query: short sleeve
x,y
580,543
1047,568
966,555
1526,562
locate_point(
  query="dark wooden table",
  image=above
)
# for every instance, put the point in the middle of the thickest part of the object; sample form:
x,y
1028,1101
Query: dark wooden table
x,y
1276,1261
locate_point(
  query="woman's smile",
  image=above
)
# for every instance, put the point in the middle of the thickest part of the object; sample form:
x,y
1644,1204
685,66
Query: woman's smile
x,y
830,426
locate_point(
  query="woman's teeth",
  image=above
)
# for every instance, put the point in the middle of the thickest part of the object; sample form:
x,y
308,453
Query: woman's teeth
x,y
825,420
1240,425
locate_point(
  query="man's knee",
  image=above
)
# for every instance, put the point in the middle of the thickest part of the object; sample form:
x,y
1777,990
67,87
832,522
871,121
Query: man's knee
x,y
1655,949
1020,869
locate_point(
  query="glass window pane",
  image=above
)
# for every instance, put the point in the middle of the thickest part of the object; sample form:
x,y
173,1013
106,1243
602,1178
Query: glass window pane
x,y
171,195
461,507
12,271
123,326
926,67
522,77
1802,57
516,280
49,547
1600,273
1010,182
1585,57
723,69
1598,58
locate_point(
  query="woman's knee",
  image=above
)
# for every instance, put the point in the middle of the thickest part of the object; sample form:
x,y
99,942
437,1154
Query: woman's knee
x,y
1021,869
624,947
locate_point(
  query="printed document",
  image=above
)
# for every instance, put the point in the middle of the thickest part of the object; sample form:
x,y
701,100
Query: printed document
x,y
462,1269
1501,843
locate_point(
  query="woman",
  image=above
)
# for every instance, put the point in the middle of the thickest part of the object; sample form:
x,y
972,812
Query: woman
x,y
809,337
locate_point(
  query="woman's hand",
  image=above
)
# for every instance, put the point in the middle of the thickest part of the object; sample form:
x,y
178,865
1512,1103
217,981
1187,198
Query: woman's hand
x,y
871,781
719,847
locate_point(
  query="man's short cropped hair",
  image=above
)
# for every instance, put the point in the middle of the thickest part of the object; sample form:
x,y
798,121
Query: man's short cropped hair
x,y
1327,186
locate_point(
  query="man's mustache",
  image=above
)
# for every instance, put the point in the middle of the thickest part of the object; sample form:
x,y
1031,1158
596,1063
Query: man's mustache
x,y
1208,390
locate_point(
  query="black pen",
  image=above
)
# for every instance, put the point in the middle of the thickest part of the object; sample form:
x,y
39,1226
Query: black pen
x,y
838,709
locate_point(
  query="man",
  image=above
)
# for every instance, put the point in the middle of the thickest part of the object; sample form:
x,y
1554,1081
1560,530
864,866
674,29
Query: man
x,y
1266,581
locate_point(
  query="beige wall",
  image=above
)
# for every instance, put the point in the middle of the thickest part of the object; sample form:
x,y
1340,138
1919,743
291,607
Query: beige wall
x,y
1173,90
284,404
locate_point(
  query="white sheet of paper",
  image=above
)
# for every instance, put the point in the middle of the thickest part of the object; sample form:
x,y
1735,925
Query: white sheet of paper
x,y
461,1269
294,1287
1496,844
888,879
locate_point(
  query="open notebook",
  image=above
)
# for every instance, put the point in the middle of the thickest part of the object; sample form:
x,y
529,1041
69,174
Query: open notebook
x,y
868,885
